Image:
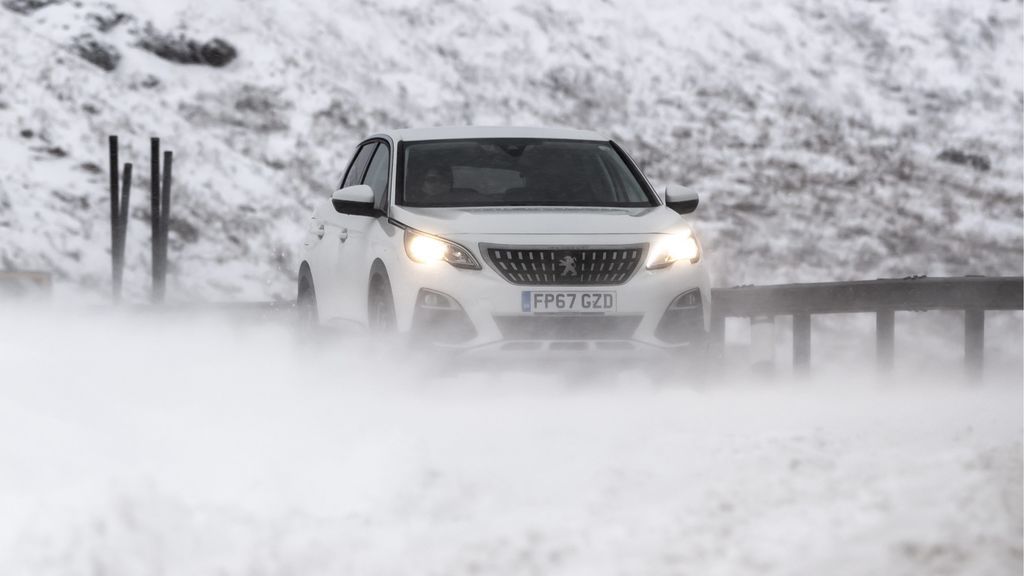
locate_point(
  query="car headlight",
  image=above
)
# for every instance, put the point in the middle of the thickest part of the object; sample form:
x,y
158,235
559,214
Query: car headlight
x,y
674,248
427,249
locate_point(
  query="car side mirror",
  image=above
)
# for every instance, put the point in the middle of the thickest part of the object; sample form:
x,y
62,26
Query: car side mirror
x,y
681,199
356,200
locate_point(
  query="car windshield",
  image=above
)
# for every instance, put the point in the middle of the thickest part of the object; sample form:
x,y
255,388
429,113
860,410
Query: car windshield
x,y
518,172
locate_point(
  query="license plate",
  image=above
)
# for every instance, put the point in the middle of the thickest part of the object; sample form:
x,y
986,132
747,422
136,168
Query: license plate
x,y
549,302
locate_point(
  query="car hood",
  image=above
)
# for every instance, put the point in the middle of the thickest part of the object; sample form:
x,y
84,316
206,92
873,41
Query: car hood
x,y
538,220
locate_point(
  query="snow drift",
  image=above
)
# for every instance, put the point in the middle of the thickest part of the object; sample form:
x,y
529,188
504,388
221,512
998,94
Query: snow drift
x,y
192,445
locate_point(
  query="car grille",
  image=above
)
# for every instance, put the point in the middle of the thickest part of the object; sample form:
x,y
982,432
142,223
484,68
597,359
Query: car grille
x,y
582,266
567,327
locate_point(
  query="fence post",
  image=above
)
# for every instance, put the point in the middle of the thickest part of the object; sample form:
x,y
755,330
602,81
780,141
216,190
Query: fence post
x,y
762,344
122,223
165,214
885,339
154,208
115,277
974,341
717,334
801,343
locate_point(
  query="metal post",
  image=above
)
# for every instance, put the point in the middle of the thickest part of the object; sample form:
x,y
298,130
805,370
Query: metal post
x,y
801,343
762,344
165,214
122,224
885,339
974,341
717,334
115,279
154,208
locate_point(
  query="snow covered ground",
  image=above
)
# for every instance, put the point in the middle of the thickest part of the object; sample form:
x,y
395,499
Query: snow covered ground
x,y
831,141
192,445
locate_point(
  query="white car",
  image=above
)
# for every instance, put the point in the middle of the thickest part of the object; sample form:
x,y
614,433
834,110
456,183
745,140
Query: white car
x,y
507,241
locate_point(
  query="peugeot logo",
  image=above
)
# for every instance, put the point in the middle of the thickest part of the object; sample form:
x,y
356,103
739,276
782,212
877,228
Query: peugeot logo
x,y
568,264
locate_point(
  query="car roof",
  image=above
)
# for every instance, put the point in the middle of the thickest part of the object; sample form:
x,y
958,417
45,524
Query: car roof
x,y
468,132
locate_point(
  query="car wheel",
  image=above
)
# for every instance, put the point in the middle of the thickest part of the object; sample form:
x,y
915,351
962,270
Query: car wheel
x,y
381,312
305,302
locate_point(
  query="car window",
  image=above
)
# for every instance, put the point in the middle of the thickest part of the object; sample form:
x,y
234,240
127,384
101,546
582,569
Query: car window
x,y
519,172
488,181
356,168
377,176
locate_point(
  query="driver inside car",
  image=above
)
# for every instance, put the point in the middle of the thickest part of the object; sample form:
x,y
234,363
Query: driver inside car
x,y
435,186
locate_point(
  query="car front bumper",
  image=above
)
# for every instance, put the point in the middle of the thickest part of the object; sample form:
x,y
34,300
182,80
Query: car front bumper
x,y
488,316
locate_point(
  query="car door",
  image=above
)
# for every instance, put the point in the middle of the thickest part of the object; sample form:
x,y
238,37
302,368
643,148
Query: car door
x,y
356,251
330,232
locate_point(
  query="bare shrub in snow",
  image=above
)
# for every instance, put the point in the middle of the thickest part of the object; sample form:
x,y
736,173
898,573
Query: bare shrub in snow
x,y
253,108
28,6
184,50
97,52
976,161
107,17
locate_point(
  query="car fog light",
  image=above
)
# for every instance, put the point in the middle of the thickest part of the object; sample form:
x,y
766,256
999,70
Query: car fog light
x,y
686,301
436,301
683,321
439,319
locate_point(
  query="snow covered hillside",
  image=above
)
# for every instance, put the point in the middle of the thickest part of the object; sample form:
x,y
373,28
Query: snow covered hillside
x,y
838,140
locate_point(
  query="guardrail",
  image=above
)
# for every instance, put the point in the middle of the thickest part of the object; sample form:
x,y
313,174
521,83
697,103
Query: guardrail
x,y
974,295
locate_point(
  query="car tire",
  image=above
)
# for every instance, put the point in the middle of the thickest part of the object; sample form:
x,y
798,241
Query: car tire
x,y
306,313
381,304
